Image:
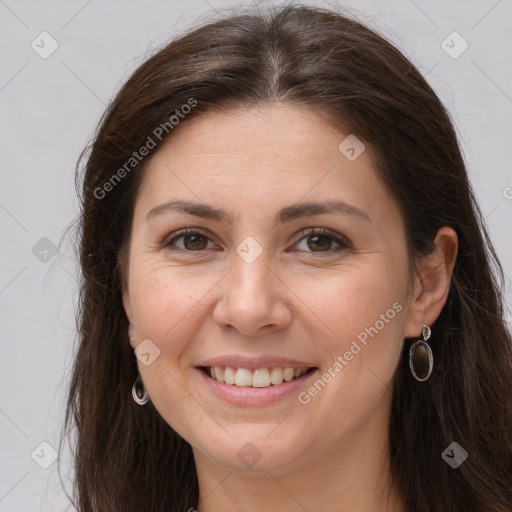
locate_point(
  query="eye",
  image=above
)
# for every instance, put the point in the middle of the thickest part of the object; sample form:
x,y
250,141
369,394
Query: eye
x,y
193,241
321,240
317,240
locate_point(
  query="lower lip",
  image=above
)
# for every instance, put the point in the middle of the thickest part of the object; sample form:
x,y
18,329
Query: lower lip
x,y
246,395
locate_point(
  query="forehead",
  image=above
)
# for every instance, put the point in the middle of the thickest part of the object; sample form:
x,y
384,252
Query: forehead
x,y
262,157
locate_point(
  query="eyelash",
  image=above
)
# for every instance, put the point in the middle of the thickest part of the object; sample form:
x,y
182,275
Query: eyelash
x,y
342,242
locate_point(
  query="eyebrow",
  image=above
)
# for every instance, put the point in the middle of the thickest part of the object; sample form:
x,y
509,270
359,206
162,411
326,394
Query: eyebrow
x,y
286,214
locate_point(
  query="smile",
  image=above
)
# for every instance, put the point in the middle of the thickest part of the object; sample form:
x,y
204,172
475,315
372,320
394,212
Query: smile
x,y
248,380
259,378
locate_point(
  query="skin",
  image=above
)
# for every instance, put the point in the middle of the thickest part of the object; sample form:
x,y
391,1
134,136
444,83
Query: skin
x,y
300,298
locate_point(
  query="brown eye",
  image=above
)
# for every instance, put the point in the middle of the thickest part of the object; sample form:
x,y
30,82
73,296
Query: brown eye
x,y
319,243
192,241
321,240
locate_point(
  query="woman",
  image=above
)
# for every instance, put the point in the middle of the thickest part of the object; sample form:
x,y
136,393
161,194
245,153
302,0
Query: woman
x,y
288,297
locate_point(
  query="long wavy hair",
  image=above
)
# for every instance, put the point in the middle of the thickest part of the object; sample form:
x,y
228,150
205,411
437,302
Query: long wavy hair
x,y
126,457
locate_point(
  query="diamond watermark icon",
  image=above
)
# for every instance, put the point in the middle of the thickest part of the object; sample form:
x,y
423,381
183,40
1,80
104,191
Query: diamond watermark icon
x,y
454,45
454,455
147,352
44,455
44,45
44,250
249,249
351,147
249,455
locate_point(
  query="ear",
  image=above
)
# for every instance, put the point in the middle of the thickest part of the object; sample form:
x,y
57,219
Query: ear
x,y
432,282
128,310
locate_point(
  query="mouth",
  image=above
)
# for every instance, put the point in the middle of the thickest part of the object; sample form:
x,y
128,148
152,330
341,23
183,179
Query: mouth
x,y
265,377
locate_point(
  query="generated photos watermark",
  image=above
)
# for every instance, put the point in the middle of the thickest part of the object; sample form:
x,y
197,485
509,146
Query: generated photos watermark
x,y
341,361
151,142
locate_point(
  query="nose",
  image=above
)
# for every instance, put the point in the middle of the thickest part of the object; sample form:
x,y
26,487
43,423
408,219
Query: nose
x,y
254,298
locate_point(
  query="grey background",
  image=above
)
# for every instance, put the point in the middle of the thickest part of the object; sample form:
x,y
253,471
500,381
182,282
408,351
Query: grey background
x,y
48,111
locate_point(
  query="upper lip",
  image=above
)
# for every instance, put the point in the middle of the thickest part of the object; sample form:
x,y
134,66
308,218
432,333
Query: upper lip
x,y
253,363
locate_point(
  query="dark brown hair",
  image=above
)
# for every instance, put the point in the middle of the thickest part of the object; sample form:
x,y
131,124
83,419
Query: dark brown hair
x,y
127,458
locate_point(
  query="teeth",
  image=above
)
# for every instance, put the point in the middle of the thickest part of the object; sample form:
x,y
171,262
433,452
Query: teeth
x,y
218,374
260,378
243,377
229,375
276,376
288,374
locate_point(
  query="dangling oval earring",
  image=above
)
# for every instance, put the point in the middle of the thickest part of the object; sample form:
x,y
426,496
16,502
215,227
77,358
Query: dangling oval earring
x,y
139,393
421,359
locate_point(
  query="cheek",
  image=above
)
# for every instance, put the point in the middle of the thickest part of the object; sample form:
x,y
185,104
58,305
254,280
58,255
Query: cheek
x,y
164,304
170,309
354,298
362,312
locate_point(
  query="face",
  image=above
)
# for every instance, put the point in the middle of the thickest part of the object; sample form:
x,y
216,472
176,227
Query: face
x,y
265,287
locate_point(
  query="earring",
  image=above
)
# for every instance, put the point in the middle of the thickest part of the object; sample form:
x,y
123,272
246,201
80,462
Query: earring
x,y
421,359
139,393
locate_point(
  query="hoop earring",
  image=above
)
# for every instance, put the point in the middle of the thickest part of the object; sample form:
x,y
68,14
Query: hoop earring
x,y
421,359
139,393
